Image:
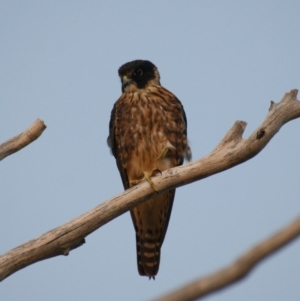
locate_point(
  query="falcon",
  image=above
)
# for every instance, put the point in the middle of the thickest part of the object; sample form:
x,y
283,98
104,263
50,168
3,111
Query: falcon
x,y
147,135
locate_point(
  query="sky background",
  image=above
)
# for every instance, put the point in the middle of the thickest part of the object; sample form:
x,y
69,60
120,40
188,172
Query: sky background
x,y
225,60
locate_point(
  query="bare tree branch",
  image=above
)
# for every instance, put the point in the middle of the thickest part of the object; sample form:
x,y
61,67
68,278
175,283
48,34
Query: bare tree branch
x,y
18,142
231,151
238,270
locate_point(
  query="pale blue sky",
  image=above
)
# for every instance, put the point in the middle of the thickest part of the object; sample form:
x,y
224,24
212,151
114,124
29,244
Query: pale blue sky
x,y
225,60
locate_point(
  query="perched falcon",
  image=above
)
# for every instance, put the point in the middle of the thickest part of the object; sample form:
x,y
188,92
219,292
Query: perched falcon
x,y
147,134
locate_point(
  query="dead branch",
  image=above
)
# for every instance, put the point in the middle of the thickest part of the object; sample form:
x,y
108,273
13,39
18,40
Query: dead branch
x,y
238,270
231,151
18,142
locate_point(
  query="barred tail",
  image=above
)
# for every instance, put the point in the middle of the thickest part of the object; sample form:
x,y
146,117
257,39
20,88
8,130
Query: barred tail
x,y
150,221
148,254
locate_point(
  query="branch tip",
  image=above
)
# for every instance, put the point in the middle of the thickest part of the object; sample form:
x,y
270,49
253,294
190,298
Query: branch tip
x,y
290,96
236,132
18,142
294,93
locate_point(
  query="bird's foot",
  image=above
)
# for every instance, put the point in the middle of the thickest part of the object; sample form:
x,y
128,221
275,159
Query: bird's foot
x,y
165,150
163,153
147,177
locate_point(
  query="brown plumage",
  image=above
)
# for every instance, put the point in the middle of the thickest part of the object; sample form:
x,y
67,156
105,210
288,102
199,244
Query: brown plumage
x,y
147,133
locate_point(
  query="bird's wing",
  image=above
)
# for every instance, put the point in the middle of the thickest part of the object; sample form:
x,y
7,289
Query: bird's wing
x,y
111,141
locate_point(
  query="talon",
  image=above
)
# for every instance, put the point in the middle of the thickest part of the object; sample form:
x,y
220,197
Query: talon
x,y
135,182
156,170
163,153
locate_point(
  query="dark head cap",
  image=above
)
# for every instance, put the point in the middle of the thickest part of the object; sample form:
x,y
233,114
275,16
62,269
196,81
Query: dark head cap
x,y
139,73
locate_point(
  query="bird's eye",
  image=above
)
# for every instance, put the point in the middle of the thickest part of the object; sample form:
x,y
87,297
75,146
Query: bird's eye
x,y
138,72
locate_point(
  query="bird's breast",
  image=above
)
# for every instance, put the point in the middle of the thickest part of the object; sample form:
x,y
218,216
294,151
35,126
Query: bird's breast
x,y
147,124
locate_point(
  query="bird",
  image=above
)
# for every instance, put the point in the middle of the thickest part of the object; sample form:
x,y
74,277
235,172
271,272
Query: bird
x,y
147,135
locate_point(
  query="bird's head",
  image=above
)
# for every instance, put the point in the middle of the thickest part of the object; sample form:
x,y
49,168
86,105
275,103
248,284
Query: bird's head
x,y
137,75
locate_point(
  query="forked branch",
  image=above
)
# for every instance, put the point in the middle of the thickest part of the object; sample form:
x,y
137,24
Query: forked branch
x,y
231,151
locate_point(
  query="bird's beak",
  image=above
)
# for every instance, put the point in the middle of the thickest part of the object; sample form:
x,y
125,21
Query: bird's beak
x,y
126,80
